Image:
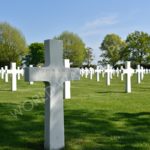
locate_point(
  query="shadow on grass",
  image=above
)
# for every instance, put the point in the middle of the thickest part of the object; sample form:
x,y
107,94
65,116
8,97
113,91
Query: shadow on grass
x,y
145,88
4,90
25,132
84,129
104,131
110,92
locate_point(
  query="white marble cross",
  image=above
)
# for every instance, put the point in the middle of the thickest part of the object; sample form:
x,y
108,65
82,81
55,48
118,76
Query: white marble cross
x,y
86,72
2,72
111,72
146,71
138,71
31,82
20,72
108,72
122,74
91,71
6,74
128,72
13,71
142,73
117,71
82,71
98,71
103,73
54,74
67,88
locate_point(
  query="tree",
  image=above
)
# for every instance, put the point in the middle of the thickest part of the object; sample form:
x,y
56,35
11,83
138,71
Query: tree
x,y
138,48
36,54
12,45
111,47
89,56
74,48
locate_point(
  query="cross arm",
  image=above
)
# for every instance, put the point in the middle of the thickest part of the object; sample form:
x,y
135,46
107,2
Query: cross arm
x,y
75,73
36,74
128,71
72,74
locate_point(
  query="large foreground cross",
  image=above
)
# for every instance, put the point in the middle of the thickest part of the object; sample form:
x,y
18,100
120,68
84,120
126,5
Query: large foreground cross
x,y
54,74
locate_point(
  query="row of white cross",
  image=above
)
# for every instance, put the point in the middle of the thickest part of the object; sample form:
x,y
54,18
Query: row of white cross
x,y
84,72
5,72
128,71
15,74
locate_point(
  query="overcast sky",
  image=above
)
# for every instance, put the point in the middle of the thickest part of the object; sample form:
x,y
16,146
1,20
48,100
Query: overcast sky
x,y
90,19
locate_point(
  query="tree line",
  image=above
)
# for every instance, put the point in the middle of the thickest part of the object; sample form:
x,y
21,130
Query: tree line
x,y
136,48
113,49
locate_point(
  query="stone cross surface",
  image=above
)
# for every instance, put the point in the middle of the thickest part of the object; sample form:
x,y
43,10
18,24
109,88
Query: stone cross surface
x,y
138,71
98,71
108,72
91,71
31,82
122,70
14,73
20,72
6,74
142,73
82,72
54,74
2,72
67,87
117,72
128,71
86,72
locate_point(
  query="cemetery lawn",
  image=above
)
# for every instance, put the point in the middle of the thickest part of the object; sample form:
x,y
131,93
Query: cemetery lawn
x,y
96,118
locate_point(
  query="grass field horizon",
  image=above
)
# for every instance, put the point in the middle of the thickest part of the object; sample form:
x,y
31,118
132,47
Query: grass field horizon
x,y
96,118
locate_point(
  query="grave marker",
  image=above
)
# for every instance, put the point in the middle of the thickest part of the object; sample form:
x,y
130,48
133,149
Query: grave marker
x,y
91,71
54,74
67,88
142,73
128,72
31,82
6,74
82,72
108,71
20,72
2,73
13,71
98,71
122,74
138,71
86,72
117,72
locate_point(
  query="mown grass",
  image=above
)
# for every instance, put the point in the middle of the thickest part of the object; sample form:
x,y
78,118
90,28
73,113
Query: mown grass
x,y
96,118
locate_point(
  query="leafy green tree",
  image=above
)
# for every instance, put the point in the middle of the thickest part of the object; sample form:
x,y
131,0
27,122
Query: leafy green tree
x,y
138,48
36,54
111,48
12,44
74,48
89,56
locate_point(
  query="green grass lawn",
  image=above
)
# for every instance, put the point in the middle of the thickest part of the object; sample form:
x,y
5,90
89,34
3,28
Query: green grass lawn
x,y
96,118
